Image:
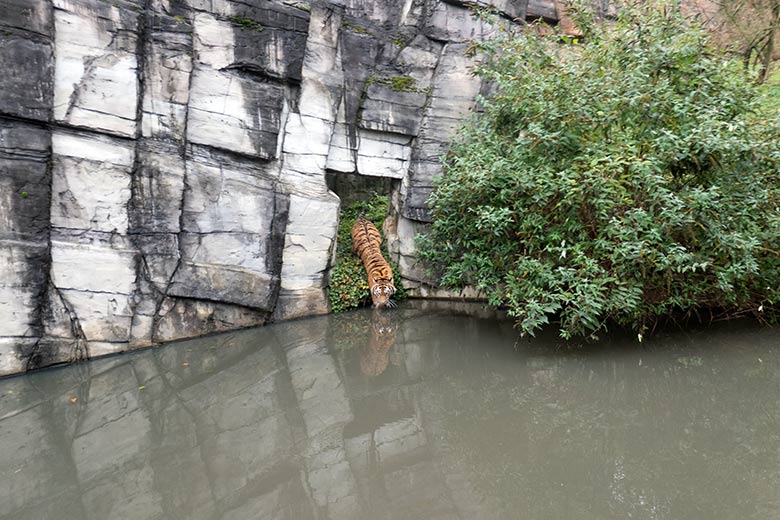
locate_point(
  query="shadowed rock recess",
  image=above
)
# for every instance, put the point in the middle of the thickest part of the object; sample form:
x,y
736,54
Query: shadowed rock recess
x,y
163,161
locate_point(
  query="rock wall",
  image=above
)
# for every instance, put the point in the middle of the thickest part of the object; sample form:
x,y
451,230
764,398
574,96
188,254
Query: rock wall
x,y
163,161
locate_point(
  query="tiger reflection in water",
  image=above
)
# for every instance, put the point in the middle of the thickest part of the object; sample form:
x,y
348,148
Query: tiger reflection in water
x,y
375,356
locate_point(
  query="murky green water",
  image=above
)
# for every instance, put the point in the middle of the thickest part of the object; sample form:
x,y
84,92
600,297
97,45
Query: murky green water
x,y
412,414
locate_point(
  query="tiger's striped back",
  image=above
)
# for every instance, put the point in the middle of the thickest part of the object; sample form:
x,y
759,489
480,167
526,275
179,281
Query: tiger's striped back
x,y
365,242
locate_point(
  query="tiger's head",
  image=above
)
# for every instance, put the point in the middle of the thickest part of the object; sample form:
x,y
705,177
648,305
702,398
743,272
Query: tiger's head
x,y
382,290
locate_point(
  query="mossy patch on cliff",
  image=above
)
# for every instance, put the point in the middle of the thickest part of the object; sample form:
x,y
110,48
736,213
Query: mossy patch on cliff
x,y
348,286
354,28
247,23
396,83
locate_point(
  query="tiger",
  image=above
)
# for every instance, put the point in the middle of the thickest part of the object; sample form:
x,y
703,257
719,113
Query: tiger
x,y
365,242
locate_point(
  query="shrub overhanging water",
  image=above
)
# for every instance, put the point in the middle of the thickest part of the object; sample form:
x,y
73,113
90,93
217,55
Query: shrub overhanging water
x,y
626,178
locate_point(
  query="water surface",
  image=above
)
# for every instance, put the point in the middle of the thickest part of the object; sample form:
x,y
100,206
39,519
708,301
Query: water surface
x,y
414,413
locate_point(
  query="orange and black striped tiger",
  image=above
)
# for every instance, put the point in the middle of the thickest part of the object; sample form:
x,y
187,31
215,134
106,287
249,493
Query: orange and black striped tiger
x,y
365,242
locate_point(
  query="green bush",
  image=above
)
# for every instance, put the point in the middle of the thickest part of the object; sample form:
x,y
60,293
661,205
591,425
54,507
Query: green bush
x,y
348,287
624,179
770,104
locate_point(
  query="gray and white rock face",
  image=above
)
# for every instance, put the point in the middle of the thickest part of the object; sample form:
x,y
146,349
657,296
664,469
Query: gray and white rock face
x,y
96,65
163,162
25,189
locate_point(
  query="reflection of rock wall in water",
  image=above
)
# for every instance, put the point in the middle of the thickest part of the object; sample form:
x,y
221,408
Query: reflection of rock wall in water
x,y
163,161
215,429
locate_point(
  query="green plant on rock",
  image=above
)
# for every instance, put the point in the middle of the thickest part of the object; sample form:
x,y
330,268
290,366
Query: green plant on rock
x,y
354,28
247,23
348,286
397,83
402,84
626,179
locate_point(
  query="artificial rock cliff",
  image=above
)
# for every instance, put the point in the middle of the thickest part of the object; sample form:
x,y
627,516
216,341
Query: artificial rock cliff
x,y
163,162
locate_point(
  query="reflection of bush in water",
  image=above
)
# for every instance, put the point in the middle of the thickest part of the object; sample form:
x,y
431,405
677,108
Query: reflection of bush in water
x,y
374,334
350,330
